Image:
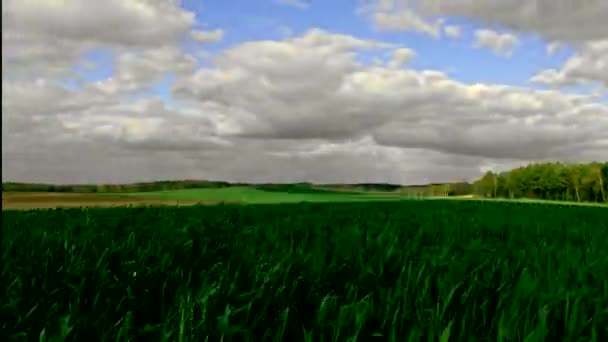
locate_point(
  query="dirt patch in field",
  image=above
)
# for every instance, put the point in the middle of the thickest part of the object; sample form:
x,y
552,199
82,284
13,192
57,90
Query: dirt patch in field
x,y
44,200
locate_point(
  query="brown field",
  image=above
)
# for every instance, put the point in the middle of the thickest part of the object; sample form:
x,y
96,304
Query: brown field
x,y
46,200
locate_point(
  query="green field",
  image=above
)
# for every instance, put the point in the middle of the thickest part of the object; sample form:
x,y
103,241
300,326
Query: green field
x,y
251,195
266,194
255,196
519,200
399,271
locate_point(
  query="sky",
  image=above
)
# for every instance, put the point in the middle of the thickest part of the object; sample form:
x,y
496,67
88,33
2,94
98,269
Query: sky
x,y
341,91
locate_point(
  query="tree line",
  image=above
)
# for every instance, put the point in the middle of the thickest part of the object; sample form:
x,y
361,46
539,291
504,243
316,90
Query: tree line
x,y
548,181
115,188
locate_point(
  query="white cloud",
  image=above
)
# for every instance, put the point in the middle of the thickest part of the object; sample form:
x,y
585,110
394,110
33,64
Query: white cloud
x,y
46,38
452,31
501,44
387,15
571,21
137,71
401,57
553,47
406,21
114,22
302,108
25,100
307,97
588,65
207,36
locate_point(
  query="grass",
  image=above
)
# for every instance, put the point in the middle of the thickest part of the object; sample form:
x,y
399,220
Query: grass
x,y
256,196
523,200
397,271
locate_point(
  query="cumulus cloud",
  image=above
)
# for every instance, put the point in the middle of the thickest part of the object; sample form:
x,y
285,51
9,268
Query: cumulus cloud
x,y
42,98
301,108
388,15
125,23
249,80
452,31
138,70
42,43
501,44
406,21
578,24
401,57
46,38
207,36
552,48
571,21
341,100
588,65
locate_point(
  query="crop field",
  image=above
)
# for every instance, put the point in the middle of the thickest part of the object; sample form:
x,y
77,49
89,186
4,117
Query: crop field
x,y
386,271
234,195
255,196
249,195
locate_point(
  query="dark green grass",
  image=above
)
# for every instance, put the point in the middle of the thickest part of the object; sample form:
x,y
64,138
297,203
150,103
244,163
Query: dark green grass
x,y
403,271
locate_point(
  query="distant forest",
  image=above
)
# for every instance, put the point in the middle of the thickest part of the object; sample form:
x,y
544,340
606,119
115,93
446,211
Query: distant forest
x,y
547,181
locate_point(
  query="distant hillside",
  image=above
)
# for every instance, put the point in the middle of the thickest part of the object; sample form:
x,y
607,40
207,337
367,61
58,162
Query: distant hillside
x,y
549,181
113,188
302,188
382,187
193,184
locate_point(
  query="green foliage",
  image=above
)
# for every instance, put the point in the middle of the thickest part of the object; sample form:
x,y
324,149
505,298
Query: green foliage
x,y
460,189
377,187
403,271
548,181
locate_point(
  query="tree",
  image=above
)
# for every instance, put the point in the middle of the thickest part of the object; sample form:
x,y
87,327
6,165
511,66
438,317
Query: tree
x,y
553,181
604,180
486,186
461,188
574,180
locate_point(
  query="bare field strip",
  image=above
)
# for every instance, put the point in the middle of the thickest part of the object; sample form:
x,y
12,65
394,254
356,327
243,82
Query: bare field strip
x,y
46,200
